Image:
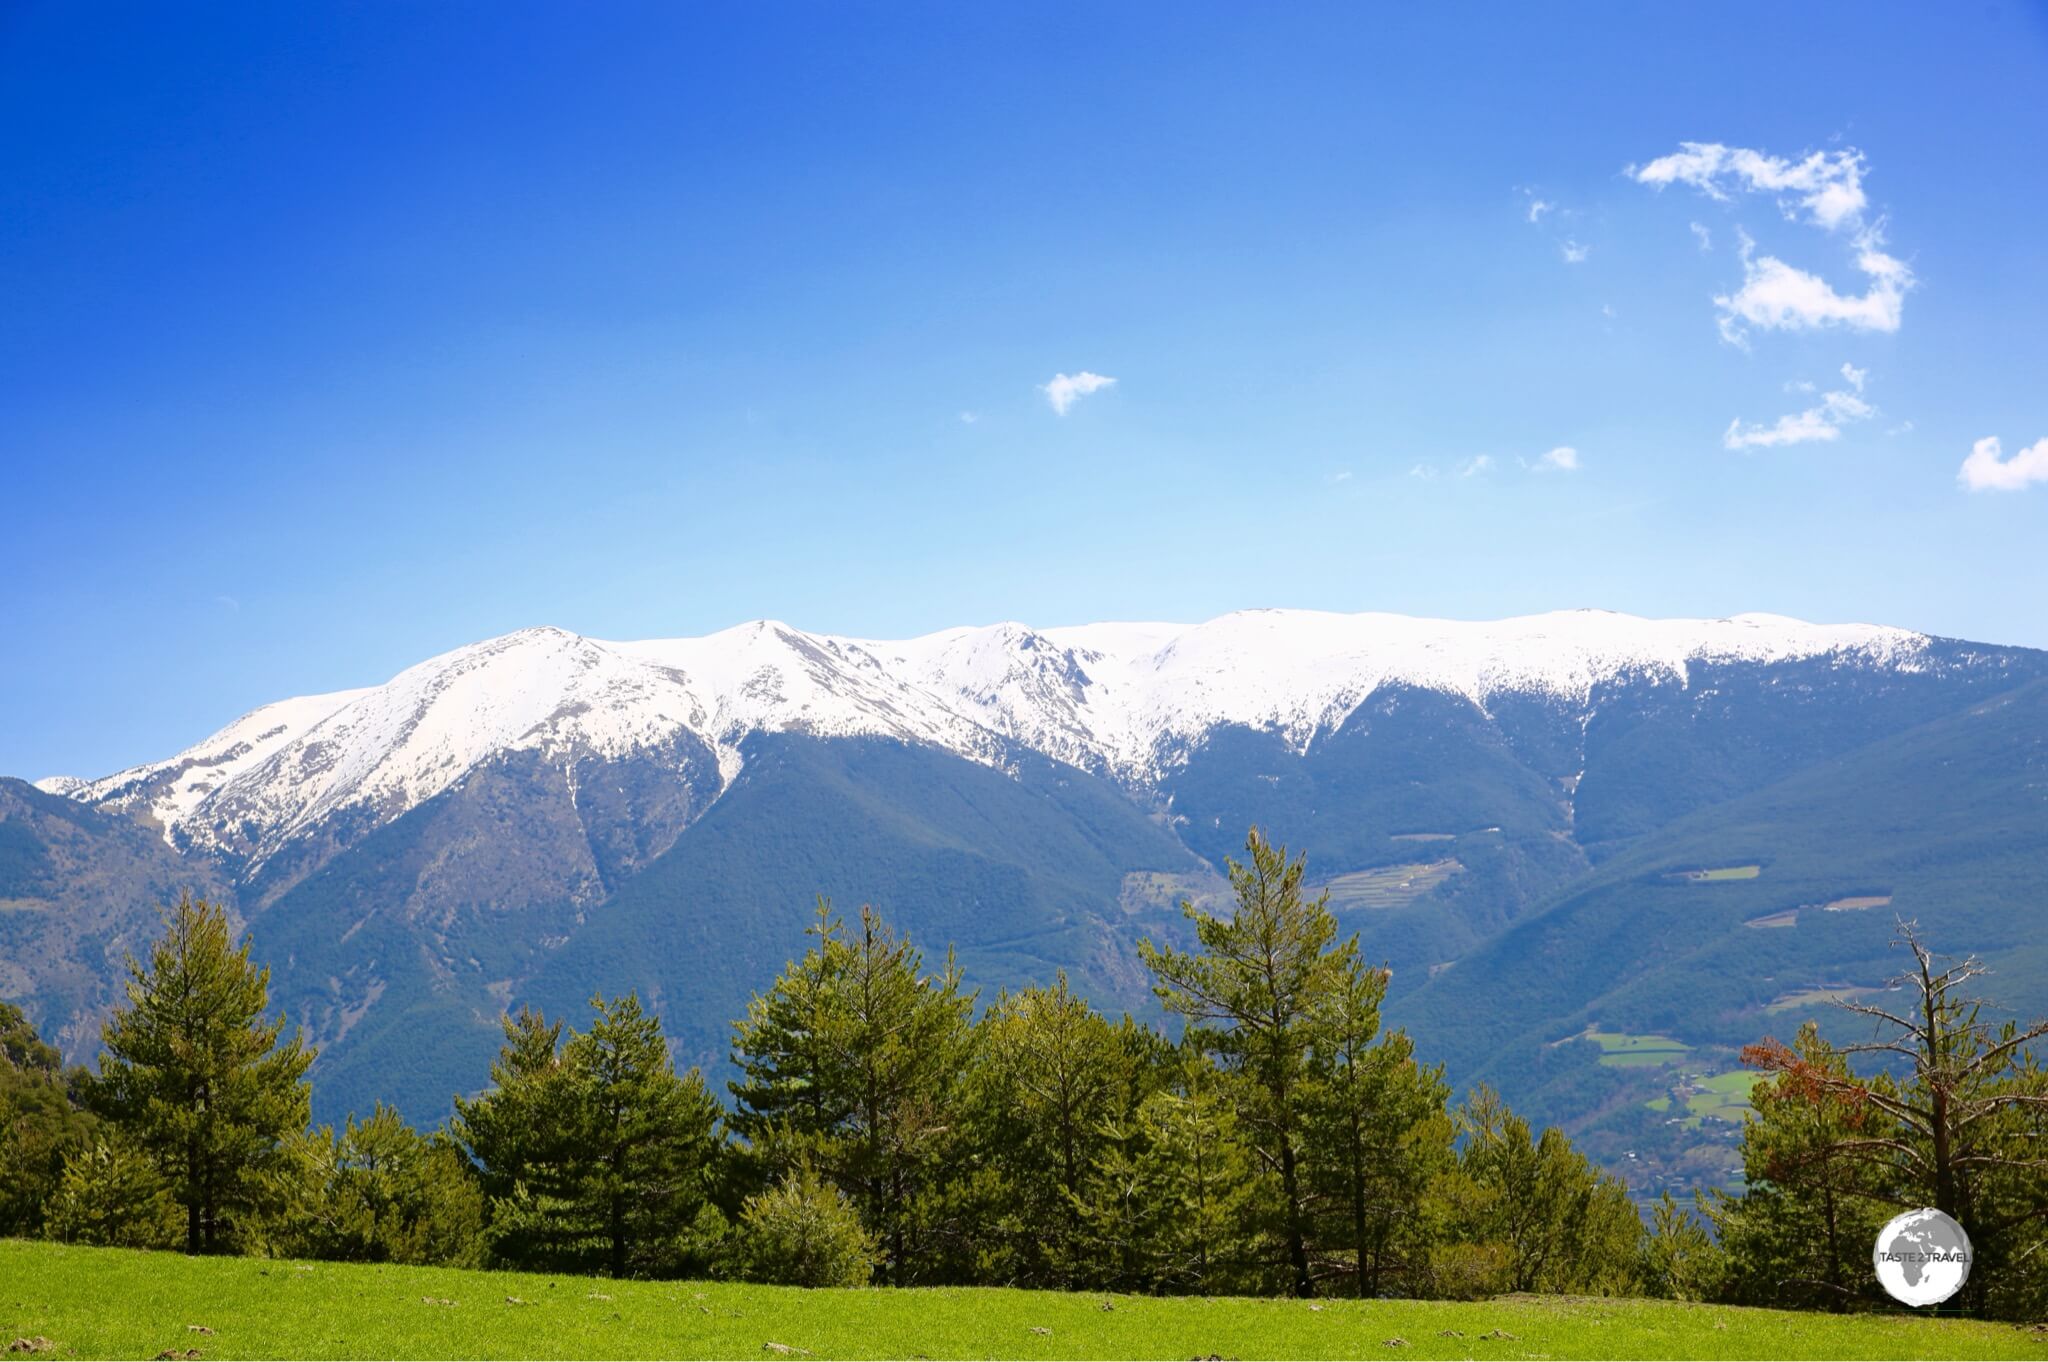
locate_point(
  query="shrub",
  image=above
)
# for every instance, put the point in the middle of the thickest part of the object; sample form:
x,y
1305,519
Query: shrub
x,y
804,1232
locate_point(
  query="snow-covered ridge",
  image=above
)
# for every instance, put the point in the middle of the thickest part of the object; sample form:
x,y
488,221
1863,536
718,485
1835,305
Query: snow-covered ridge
x,y
1125,699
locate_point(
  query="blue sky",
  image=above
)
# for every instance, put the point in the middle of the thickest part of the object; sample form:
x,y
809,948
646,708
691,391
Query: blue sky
x,y
334,337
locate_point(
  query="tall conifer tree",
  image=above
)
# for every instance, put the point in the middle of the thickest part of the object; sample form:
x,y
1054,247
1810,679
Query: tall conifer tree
x,y
1252,994
198,1077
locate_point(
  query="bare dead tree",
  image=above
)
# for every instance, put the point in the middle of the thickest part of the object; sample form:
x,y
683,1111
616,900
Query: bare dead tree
x,y
1969,1079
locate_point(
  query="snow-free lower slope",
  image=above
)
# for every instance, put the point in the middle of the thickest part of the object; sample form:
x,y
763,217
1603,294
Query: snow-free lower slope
x,y
1125,699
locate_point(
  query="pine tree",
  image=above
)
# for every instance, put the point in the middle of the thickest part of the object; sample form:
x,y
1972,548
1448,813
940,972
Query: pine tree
x,y
595,1154
1681,1260
1253,993
1536,1209
378,1191
521,1136
1378,1135
39,1118
1201,1190
854,1061
1052,1078
652,1137
194,1074
111,1194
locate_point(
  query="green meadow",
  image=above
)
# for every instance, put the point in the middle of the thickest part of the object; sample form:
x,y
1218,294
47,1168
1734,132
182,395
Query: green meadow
x,y
1621,1050
119,1303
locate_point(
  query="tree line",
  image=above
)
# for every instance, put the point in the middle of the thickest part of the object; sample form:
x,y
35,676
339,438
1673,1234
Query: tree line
x,y
884,1127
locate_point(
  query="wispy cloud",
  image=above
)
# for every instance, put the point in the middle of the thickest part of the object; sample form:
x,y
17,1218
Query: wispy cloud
x,y
968,418
1828,185
1551,218
1477,467
1821,422
1563,459
1986,471
1067,389
1702,235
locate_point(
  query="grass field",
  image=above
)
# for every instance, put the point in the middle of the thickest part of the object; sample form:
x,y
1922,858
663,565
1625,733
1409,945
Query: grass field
x,y
120,1303
1620,1050
1723,1097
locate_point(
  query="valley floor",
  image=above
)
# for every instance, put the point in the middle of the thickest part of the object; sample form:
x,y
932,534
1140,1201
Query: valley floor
x,y
120,1303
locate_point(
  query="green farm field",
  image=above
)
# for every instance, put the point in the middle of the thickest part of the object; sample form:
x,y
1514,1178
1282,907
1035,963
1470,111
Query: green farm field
x,y
1620,1050
123,1303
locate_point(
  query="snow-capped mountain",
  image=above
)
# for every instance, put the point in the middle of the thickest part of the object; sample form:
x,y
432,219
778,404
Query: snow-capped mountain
x,y
541,816
1125,700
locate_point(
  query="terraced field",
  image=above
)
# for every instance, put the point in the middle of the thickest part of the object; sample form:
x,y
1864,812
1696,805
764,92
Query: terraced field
x,y
1389,886
1814,998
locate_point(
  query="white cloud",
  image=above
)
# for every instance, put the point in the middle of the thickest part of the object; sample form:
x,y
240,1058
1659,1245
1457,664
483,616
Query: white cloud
x,y
1855,376
1538,207
1563,459
1477,467
1827,184
968,418
1574,253
1423,471
1985,471
1341,475
1823,422
1779,297
1067,389
1823,189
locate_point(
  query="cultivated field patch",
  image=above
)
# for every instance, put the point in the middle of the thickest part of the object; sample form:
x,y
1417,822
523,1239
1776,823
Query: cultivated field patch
x,y
1717,874
1623,1050
1719,1097
1389,886
1162,891
1814,997
1857,904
